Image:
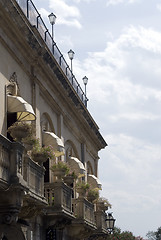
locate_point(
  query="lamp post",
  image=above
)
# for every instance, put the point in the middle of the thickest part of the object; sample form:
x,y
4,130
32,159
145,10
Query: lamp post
x,y
71,56
110,222
52,19
85,81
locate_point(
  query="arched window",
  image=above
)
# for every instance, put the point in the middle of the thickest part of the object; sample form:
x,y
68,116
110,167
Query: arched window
x,y
70,150
46,123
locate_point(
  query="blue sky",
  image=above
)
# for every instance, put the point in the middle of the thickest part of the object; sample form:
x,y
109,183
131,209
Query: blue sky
x,y
117,45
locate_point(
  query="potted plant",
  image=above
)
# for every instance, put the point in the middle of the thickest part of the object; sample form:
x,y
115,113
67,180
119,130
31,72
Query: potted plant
x,y
30,141
102,204
41,154
70,177
93,194
19,130
60,169
82,188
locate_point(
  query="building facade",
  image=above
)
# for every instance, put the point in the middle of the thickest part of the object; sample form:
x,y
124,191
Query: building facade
x,y
38,88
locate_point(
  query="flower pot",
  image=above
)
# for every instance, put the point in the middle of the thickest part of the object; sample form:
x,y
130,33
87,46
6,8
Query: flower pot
x,y
100,206
39,157
81,191
59,173
19,133
68,180
91,198
28,146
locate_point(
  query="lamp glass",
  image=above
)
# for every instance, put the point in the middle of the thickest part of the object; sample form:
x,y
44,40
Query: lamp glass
x,y
71,54
52,18
85,80
110,221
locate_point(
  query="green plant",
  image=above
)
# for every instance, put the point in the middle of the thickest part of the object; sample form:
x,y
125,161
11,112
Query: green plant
x,y
72,174
61,165
31,140
47,151
93,194
82,185
19,130
52,201
105,201
21,125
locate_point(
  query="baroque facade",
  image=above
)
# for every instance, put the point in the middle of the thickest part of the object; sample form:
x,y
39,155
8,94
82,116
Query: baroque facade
x,y
38,87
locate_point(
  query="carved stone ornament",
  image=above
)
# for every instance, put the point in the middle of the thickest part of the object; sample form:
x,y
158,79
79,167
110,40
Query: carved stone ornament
x,y
9,218
12,87
30,211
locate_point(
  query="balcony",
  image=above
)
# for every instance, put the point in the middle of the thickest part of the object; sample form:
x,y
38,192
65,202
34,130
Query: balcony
x,y
11,163
77,215
33,174
84,210
59,197
20,178
5,147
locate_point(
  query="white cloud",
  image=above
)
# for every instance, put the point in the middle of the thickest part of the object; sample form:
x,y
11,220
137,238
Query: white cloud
x,y
131,180
159,6
124,89
87,1
133,171
66,14
62,8
115,2
134,116
123,70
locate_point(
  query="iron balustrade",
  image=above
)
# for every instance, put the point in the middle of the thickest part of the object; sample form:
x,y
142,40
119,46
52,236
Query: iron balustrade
x,y
35,19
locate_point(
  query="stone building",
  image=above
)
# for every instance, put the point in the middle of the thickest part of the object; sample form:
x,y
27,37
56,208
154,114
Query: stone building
x,y
38,88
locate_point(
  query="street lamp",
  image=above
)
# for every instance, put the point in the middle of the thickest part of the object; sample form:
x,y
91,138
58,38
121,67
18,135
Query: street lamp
x,y
71,56
52,19
85,81
110,222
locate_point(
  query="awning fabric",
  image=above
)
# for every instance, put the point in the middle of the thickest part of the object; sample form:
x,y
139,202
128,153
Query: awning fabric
x,y
49,138
94,181
76,165
23,109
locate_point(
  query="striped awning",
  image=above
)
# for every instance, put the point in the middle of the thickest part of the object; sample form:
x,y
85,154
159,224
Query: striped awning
x,y
50,138
94,181
76,165
23,109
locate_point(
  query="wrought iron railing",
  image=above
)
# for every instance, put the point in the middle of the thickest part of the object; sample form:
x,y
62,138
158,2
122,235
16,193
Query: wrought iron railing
x,y
35,19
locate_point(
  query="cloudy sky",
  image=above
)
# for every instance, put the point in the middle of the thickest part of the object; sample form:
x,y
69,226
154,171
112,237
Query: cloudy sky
x,y
117,45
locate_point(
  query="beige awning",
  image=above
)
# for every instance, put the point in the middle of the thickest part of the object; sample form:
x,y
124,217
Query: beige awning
x,y
76,165
23,109
49,138
94,181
